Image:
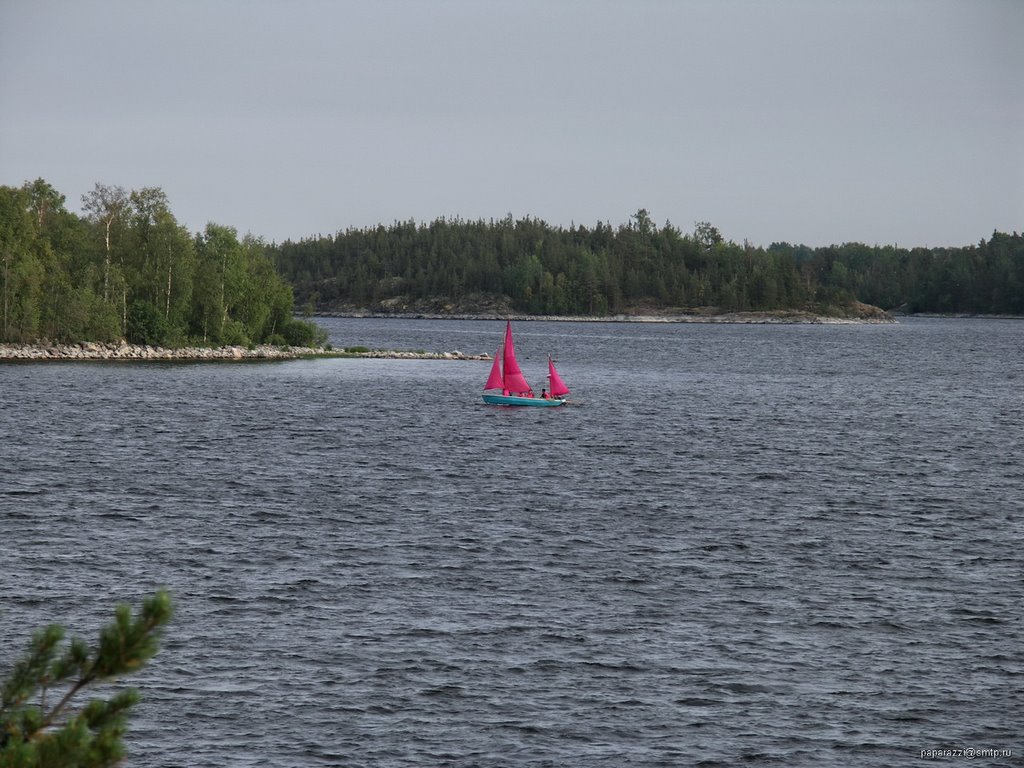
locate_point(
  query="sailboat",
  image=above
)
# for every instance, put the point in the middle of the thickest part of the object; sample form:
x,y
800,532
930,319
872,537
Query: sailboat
x,y
508,377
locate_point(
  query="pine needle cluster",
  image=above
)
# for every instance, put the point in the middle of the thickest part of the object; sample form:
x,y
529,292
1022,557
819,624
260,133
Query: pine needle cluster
x,y
40,726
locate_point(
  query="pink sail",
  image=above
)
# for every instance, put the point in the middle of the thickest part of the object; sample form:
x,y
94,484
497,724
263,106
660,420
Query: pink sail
x,y
558,388
494,381
513,377
507,376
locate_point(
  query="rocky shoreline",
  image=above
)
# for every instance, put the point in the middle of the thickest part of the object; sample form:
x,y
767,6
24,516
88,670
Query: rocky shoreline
x,y
125,352
482,307
742,318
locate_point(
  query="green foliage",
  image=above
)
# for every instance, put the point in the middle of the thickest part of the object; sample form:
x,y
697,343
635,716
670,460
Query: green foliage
x,y
299,333
534,268
129,270
35,733
145,324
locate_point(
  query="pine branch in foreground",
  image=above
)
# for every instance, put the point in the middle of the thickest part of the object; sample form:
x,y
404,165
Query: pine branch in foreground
x,y
40,726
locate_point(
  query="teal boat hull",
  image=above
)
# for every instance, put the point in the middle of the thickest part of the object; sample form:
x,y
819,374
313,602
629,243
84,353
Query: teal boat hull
x,y
532,402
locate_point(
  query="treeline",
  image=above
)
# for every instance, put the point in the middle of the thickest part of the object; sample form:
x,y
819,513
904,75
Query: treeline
x,y
987,278
128,270
599,270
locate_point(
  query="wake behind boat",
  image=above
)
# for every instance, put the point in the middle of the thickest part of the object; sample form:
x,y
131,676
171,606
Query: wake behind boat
x,y
508,377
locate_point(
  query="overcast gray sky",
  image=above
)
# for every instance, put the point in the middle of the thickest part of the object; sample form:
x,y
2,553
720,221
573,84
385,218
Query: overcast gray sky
x,y
810,121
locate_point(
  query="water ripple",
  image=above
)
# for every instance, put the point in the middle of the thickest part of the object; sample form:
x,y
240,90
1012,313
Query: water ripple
x,y
787,546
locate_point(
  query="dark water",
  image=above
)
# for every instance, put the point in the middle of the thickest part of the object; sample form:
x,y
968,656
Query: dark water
x,y
761,545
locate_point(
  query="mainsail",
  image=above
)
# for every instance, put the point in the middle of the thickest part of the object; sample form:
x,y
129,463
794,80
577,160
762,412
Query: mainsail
x,y
513,377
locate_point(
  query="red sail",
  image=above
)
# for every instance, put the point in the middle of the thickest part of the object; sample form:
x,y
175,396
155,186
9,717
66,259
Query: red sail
x,y
494,381
558,388
514,379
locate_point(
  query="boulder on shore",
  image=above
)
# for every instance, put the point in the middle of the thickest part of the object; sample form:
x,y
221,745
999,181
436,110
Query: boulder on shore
x,y
89,350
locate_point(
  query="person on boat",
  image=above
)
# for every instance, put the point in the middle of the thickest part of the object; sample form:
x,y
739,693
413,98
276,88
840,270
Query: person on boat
x,y
505,392
544,395
529,393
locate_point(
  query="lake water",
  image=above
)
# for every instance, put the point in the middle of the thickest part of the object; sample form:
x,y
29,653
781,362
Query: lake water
x,y
757,545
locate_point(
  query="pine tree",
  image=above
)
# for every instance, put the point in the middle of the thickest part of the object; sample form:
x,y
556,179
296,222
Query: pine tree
x,y
37,731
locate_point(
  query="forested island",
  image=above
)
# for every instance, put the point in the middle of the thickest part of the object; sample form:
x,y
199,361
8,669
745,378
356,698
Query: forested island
x,y
126,272
530,267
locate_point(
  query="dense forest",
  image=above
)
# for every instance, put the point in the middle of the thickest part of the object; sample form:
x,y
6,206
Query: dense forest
x,y
128,270
598,270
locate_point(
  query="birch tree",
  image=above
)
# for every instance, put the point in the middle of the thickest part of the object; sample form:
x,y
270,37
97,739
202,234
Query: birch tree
x,y
105,205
